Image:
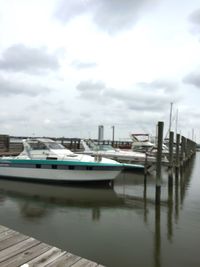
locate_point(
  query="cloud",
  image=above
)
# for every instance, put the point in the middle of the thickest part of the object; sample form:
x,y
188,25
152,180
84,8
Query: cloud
x,y
83,65
9,87
90,89
109,15
19,58
193,78
152,96
195,17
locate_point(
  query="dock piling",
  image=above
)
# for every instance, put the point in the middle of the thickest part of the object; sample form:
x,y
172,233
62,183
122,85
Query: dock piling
x,y
158,162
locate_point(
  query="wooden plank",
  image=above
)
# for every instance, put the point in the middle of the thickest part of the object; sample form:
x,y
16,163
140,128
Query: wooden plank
x,y
85,263
65,260
3,228
46,258
6,234
12,240
17,248
26,255
20,250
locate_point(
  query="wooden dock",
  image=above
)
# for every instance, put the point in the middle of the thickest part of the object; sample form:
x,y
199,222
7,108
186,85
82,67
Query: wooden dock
x,y
17,249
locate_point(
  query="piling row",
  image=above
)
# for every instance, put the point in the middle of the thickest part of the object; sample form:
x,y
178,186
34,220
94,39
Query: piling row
x,y
181,150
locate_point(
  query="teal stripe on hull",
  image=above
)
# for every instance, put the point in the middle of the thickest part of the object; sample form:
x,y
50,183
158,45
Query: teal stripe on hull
x,y
58,162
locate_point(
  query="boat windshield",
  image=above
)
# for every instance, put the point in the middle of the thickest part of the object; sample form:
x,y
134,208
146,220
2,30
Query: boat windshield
x,y
38,145
105,147
54,145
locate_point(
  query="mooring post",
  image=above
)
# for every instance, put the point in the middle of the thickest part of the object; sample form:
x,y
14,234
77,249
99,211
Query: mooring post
x,y
182,151
177,150
171,144
188,149
158,162
185,150
171,159
145,169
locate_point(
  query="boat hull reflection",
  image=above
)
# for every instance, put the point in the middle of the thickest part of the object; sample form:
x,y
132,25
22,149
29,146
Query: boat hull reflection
x,y
68,194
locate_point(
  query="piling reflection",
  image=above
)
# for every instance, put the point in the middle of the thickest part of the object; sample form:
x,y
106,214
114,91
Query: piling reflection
x,y
125,212
157,238
175,185
37,200
170,208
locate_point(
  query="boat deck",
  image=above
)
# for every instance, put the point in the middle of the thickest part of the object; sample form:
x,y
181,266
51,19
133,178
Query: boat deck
x,y
17,249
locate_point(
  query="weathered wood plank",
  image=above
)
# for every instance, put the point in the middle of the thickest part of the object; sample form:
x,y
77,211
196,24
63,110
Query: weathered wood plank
x,y
85,263
3,228
7,234
64,261
17,248
46,258
13,239
26,255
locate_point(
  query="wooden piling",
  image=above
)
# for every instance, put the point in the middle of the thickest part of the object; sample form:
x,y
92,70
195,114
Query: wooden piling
x,y
182,154
171,144
171,159
177,150
158,162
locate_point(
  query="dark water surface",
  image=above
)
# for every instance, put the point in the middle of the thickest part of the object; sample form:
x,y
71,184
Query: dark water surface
x,y
117,226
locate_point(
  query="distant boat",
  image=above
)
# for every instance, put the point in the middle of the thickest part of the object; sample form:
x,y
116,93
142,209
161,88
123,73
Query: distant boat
x,y
45,160
136,159
141,143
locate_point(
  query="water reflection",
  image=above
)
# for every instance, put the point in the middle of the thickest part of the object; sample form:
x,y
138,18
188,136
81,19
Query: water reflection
x,y
35,198
115,226
176,184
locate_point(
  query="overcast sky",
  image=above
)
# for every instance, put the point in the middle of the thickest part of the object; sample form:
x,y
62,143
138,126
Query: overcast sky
x,y
67,66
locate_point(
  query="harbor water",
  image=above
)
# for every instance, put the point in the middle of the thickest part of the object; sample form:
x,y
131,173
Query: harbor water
x,y
115,226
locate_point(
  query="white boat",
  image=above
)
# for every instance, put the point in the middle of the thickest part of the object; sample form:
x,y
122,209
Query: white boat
x,y
137,159
141,143
46,160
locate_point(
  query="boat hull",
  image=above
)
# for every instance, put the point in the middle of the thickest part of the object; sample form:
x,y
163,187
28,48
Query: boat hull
x,y
57,171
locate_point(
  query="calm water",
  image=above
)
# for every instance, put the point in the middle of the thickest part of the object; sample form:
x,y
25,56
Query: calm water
x,y
115,227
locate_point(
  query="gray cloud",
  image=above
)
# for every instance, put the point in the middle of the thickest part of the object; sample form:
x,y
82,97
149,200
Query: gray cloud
x,y
12,117
90,89
195,17
193,78
166,86
152,96
10,87
19,58
109,15
83,65
141,101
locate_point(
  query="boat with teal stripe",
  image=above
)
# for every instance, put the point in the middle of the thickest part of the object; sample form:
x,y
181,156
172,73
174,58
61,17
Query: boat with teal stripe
x,y
45,159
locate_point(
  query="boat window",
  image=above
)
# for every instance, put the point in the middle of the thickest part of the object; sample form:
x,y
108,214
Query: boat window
x,y
37,146
54,145
105,147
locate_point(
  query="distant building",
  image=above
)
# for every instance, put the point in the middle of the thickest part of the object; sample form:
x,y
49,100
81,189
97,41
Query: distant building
x,y
100,132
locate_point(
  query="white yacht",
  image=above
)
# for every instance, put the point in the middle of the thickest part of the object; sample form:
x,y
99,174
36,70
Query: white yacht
x,y
137,159
44,159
